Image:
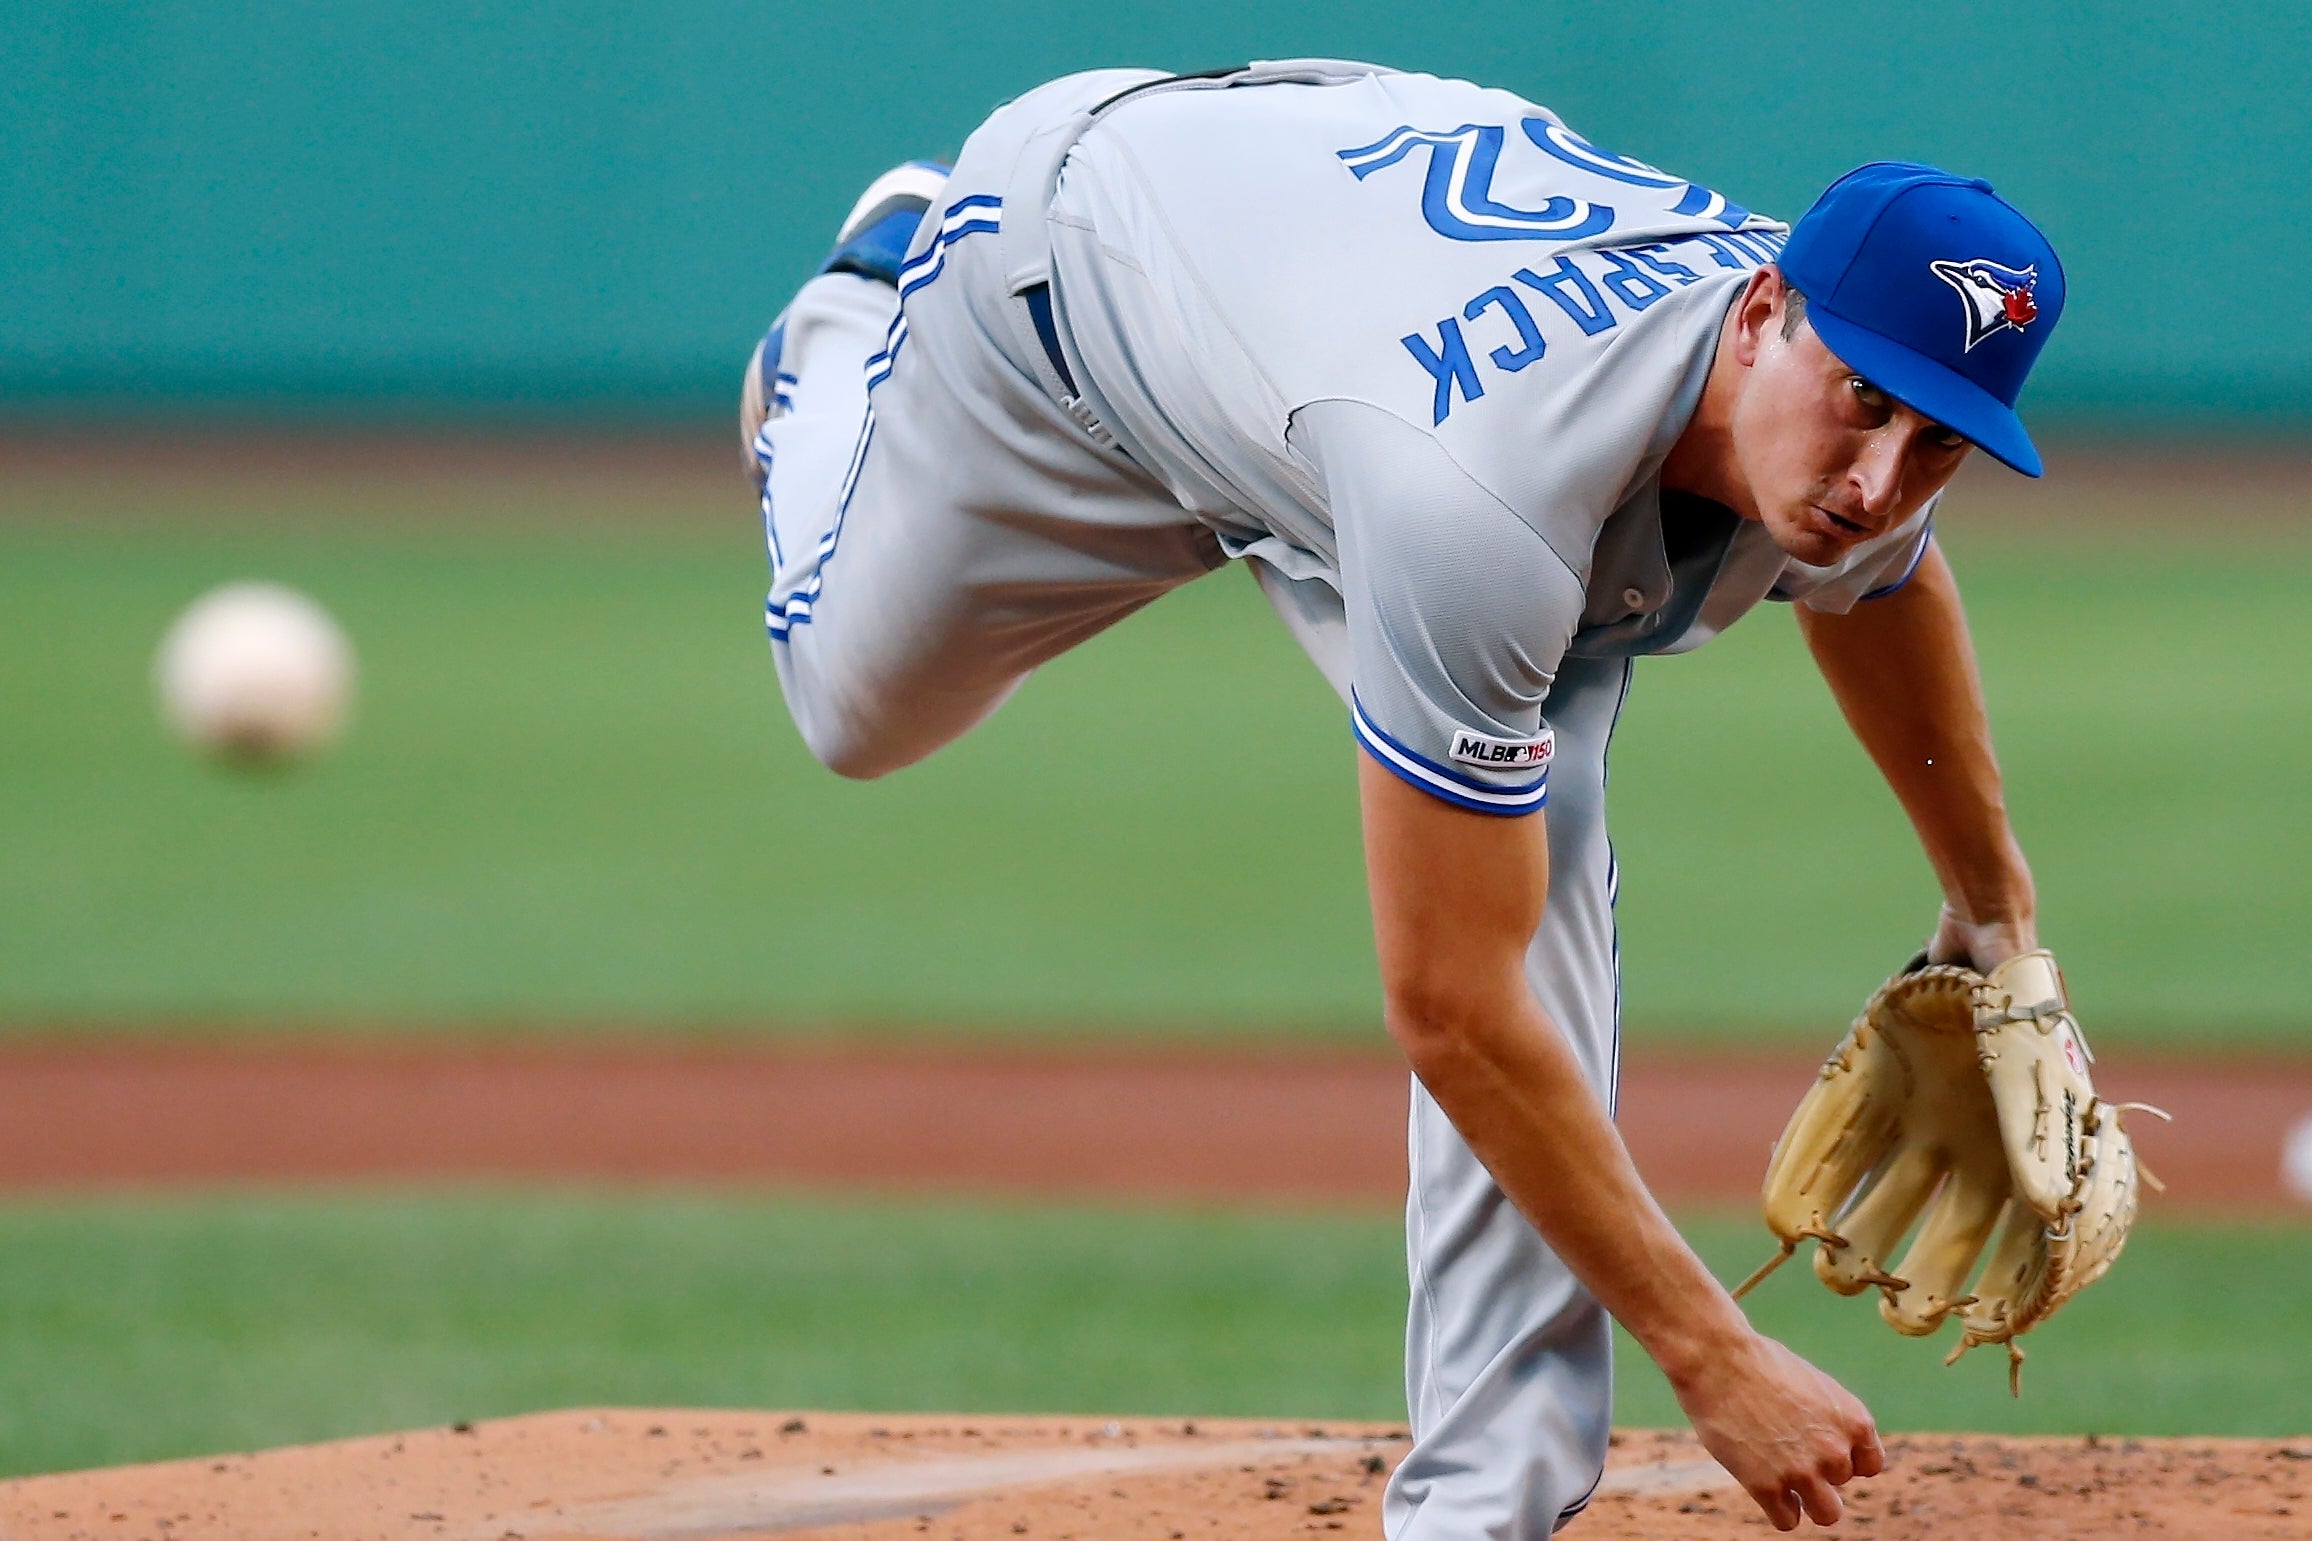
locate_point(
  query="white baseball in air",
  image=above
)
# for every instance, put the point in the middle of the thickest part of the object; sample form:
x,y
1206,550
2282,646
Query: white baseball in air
x,y
2296,1159
255,672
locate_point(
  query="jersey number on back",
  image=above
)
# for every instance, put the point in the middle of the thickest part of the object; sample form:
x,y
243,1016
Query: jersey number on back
x,y
1457,194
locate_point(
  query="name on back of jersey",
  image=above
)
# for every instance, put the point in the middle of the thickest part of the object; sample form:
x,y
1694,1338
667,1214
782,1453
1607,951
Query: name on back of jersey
x,y
1464,196
1589,290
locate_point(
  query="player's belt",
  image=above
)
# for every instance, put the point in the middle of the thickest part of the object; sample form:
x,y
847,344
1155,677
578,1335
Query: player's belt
x,y
1039,303
1060,385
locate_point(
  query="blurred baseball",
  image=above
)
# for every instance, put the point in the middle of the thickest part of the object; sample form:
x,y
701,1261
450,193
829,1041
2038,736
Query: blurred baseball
x,y
2296,1159
255,673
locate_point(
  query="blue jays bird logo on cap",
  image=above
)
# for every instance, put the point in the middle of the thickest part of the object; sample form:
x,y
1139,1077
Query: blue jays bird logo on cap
x,y
1865,256
1998,297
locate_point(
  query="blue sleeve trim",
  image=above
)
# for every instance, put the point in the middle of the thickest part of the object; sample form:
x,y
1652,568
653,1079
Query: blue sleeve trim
x,y
1434,779
1926,539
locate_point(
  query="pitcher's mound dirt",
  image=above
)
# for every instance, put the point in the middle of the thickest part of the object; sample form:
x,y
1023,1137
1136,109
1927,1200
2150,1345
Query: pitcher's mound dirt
x,y
719,1476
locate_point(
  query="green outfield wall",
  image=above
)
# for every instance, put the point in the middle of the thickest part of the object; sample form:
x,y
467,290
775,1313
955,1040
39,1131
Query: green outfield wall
x,y
455,207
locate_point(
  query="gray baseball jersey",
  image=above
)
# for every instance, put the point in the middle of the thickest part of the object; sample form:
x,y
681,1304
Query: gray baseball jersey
x,y
1420,342
1414,351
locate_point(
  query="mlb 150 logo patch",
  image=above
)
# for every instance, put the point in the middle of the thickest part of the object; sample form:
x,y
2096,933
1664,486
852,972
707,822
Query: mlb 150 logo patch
x,y
1504,753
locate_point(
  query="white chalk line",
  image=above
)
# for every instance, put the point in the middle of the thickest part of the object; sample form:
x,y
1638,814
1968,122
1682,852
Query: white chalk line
x,y
792,1498
803,1498
1703,1476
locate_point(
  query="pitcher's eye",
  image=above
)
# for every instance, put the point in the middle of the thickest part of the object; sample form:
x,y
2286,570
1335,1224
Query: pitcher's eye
x,y
1868,394
1945,438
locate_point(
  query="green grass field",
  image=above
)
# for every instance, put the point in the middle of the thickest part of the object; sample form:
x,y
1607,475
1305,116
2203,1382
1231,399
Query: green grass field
x,y
572,795
144,1329
572,799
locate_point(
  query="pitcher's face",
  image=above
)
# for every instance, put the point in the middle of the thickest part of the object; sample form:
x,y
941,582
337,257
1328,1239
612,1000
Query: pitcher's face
x,y
1829,459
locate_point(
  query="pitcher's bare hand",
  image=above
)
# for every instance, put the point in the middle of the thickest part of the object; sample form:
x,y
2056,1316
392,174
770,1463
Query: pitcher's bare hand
x,y
1788,1433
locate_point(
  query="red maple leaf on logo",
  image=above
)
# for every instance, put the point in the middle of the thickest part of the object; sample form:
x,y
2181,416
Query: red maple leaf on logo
x,y
2021,309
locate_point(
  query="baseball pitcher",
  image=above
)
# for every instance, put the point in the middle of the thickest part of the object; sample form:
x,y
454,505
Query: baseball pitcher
x,y
1490,412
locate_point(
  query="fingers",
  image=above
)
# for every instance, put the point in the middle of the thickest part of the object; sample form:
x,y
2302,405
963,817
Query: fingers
x,y
1816,1498
1791,1434
1820,1500
1782,1510
1814,1494
1870,1457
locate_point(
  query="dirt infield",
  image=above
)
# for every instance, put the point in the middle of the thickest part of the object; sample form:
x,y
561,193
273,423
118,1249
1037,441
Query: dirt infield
x,y
704,1475
1155,1123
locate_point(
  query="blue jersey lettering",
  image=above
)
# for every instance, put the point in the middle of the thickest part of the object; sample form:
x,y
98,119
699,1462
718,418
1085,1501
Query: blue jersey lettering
x,y
1654,257
1448,364
1570,147
1456,195
1589,311
1530,346
1633,288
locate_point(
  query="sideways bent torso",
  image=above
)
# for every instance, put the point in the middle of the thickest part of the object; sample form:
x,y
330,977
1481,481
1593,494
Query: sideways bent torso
x,y
1418,342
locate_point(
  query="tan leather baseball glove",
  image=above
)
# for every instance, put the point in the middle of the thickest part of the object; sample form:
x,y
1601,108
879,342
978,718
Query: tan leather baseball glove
x,y
1965,1100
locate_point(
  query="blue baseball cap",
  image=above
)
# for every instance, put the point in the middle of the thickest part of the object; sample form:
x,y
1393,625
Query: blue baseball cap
x,y
1934,289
